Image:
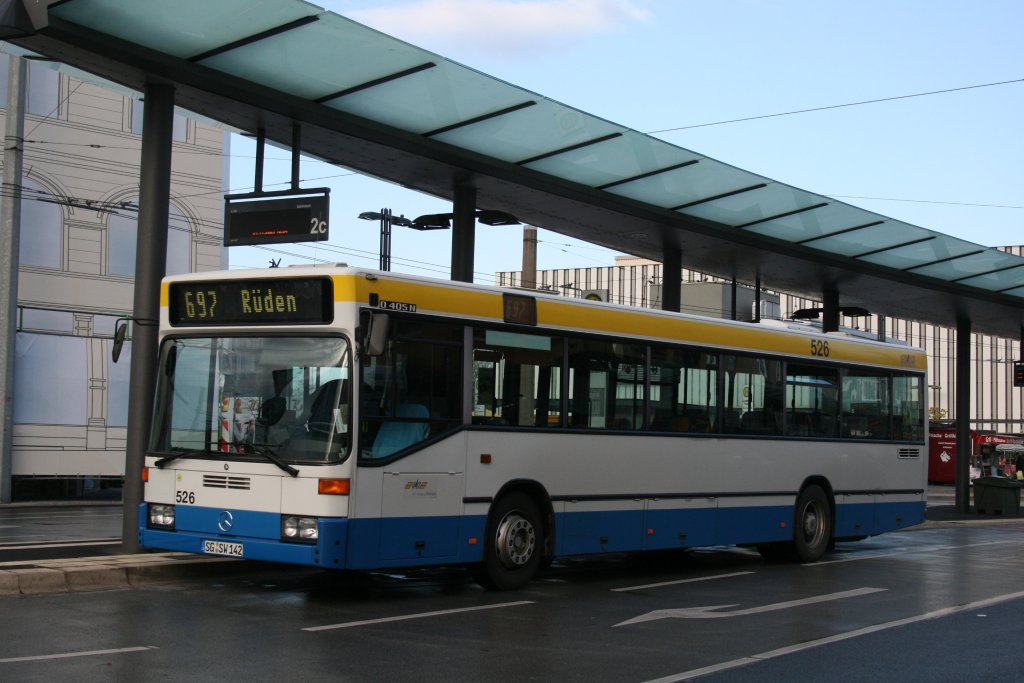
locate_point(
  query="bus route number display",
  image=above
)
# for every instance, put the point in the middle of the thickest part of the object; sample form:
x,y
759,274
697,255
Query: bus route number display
x,y
252,302
521,310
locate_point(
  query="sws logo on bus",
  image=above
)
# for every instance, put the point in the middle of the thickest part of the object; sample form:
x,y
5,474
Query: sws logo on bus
x,y
420,489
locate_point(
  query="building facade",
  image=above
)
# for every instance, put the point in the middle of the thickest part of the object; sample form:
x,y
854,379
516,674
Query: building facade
x,y
79,208
996,404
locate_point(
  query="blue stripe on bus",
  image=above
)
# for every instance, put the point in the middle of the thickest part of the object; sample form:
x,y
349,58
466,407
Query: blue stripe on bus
x,y
418,541
868,519
245,523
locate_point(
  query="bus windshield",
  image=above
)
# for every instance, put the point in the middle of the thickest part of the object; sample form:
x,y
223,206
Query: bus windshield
x,y
282,399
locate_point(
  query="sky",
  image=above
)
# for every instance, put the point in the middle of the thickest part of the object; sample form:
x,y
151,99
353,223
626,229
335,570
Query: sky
x,y
949,162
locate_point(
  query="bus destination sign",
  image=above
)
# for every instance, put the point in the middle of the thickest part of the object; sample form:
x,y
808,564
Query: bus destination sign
x,y
278,301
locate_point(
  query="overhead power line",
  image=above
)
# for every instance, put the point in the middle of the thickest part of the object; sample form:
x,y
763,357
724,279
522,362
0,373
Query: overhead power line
x,y
927,201
835,106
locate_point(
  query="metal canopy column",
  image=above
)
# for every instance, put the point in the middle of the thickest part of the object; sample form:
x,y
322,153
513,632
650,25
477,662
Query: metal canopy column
x,y
10,217
963,415
757,299
150,267
830,309
463,233
672,280
732,300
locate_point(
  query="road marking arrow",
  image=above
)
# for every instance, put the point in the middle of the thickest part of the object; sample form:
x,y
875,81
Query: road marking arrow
x,y
709,612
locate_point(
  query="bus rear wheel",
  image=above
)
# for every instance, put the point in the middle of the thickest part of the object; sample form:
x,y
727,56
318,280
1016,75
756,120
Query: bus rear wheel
x,y
812,530
514,543
813,524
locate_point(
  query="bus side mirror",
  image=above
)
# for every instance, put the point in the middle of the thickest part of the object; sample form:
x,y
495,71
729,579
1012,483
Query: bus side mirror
x,y
119,335
375,332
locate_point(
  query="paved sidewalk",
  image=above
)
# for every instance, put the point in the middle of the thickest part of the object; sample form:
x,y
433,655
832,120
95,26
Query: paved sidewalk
x,y
942,510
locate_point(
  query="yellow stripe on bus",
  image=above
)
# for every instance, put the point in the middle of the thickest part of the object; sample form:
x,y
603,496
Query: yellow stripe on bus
x,y
468,303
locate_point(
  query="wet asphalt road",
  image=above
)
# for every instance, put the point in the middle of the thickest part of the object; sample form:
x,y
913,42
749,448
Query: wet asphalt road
x,y
939,603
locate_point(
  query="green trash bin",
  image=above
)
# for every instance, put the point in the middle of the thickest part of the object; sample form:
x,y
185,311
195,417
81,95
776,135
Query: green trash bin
x,y
996,496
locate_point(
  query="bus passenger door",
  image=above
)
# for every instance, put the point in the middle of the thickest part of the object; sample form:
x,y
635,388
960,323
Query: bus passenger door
x,y
420,514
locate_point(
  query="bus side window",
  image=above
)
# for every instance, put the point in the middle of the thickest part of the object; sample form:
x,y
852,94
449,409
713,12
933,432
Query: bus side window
x,y
516,379
413,390
865,412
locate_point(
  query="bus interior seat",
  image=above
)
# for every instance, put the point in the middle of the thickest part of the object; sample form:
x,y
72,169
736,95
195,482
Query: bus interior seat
x,y
757,422
322,407
395,435
272,410
309,439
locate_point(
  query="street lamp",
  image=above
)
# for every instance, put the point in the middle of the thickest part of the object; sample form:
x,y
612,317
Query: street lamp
x,y
387,219
433,221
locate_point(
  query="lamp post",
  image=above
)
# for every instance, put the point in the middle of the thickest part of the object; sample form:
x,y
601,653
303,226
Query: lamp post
x,y
434,221
386,219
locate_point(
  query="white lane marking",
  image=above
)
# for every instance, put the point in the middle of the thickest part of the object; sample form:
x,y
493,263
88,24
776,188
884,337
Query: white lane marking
x,y
674,583
709,612
95,516
60,544
90,653
908,551
421,615
839,637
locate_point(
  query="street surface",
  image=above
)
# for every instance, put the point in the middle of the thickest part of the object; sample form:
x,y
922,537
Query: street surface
x,y
934,604
38,532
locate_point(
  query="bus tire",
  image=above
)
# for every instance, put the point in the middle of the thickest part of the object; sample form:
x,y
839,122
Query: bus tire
x,y
514,544
812,524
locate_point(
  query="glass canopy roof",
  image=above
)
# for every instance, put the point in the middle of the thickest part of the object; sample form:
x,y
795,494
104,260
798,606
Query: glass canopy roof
x,y
299,49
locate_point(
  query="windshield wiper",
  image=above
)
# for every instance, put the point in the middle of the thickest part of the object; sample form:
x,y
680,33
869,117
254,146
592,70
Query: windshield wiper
x,y
271,455
181,452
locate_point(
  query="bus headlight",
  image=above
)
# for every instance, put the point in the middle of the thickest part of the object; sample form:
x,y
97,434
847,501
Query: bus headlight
x,y
301,529
161,516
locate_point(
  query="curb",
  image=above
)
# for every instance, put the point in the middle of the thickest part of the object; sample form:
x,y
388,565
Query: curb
x,y
113,571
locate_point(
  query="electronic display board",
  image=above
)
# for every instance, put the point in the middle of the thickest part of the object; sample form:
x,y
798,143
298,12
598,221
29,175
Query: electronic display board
x,y
275,221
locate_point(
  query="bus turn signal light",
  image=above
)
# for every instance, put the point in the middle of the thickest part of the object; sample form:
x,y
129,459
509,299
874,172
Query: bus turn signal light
x,y
334,487
145,475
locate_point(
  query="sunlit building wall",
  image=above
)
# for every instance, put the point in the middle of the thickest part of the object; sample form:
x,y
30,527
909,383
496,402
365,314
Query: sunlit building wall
x,y
79,209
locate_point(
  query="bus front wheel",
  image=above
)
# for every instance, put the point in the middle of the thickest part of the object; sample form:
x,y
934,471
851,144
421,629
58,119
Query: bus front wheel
x,y
513,547
813,520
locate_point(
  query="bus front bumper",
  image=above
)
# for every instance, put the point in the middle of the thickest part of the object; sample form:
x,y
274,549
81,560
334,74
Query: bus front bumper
x,y
328,551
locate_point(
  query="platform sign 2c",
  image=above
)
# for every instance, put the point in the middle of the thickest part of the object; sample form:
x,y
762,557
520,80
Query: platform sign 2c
x,y
274,219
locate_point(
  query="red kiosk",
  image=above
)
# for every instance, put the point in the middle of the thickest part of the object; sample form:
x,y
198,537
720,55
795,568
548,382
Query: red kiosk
x,y
984,454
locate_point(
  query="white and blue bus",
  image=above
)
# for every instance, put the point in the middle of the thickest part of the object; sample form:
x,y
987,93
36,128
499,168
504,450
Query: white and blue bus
x,y
345,418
